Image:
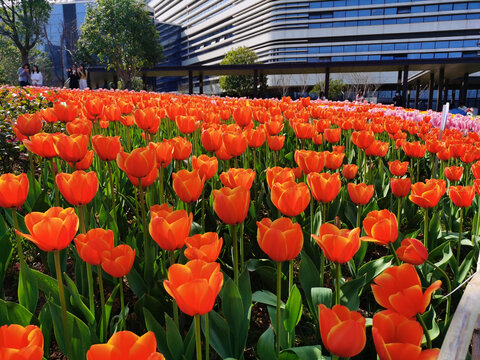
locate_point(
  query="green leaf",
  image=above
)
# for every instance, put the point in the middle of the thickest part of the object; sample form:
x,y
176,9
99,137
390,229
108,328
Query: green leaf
x,y
136,283
13,313
266,345
219,334
79,333
321,295
46,325
350,295
266,297
153,325
77,301
304,353
174,339
309,278
431,323
232,306
27,288
293,309
374,268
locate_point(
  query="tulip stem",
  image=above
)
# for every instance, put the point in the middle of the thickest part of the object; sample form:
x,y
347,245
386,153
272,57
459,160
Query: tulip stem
x,y
61,295
32,170
55,186
91,297
359,215
425,331
147,249
394,253
111,192
242,254
19,241
198,339
425,231
203,210
235,254
175,306
103,335
399,212
290,276
418,169
279,314
122,305
449,289
162,195
337,283
207,337
459,248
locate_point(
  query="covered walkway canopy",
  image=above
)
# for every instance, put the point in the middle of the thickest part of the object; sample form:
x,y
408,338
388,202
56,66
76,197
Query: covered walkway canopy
x,y
438,73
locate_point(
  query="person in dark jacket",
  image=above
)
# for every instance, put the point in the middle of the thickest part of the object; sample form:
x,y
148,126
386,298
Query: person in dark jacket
x,y
397,100
74,77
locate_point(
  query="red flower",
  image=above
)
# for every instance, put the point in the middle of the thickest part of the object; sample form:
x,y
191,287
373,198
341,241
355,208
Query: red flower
x,y
400,187
412,251
381,227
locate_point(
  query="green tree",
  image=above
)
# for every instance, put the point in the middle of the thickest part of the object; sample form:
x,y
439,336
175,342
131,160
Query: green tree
x,y
9,61
121,35
240,85
22,21
336,89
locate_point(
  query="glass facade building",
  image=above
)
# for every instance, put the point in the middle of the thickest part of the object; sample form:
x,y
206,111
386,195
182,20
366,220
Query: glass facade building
x,y
320,31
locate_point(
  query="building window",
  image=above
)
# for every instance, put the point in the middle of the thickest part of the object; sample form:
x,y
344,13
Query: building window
x,y
404,10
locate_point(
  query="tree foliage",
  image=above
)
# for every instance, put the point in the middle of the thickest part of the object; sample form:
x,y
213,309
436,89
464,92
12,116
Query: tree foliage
x,y
22,21
336,89
121,36
239,85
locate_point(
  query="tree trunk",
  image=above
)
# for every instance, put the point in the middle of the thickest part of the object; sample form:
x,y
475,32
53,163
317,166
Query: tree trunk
x,y
24,53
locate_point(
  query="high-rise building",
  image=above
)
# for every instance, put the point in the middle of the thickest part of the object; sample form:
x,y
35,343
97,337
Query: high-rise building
x,y
202,31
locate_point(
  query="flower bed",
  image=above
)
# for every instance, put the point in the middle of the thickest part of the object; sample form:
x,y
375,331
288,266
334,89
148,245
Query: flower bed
x,y
153,226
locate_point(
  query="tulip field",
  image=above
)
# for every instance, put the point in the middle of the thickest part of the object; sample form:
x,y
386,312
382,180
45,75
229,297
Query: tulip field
x,y
141,226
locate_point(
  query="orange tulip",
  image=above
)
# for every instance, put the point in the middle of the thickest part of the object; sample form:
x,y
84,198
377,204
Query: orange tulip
x,y
275,143
333,160
71,148
52,230
442,184
206,166
243,115
363,139
187,124
342,330
194,286
65,112
476,169
21,343
461,196
118,261
94,106
349,171
41,144
274,127
414,149
338,148
146,181
139,163
160,210
82,127
279,174
235,143
255,137
361,193
400,187
170,229
381,227
78,188
182,148
188,185
453,173
147,119
338,245
205,247
303,130
231,205
29,124
281,239
125,345
211,139
398,168
399,289
13,190
238,177
164,153
397,337
377,148
426,195
91,245
222,153
106,147
83,164
309,161
290,198
332,135
323,186
412,251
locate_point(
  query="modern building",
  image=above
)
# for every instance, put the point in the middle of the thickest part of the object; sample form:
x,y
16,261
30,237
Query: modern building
x,y
197,32
61,33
